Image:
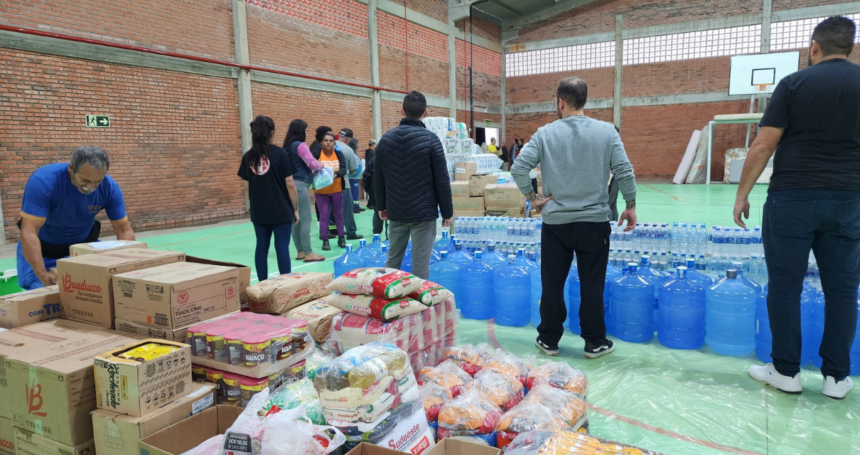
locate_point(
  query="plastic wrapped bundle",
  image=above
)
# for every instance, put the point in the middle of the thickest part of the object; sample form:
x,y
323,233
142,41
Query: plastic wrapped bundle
x,y
471,358
462,130
291,396
447,375
471,414
376,431
566,443
375,307
510,365
504,391
377,282
545,408
433,396
561,376
431,293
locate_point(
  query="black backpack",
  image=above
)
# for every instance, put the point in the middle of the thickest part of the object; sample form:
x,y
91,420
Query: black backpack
x,y
367,176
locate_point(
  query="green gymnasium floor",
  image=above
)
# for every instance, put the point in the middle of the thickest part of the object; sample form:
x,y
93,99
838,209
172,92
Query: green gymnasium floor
x,y
675,402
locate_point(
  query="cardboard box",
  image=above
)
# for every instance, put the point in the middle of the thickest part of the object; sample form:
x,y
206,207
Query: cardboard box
x,y
144,331
29,443
29,307
37,337
477,184
459,213
117,434
504,196
459,447
52,390
244,275
510,213
369,449
191,432
86,290
468,204
176,296
104,247
137,388
464,170
7,437
460,189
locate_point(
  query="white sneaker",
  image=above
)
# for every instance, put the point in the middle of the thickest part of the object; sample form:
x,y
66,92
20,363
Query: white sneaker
x,y
834,389
768,375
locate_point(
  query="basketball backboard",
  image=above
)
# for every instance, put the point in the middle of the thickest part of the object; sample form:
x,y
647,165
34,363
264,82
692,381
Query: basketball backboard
x,y
759,73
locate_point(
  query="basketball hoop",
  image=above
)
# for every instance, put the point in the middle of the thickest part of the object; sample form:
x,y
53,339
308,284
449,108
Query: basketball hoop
x,y
762,88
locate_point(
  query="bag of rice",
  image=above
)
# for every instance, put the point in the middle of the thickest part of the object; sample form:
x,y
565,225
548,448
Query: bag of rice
x,y
377,282
282,293
319,315
376,308
431,293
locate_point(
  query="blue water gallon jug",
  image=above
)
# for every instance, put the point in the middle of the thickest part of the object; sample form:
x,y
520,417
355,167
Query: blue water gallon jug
x,y
631,307
574,298
681,322
447,274
492,257
348,262
655,278
441,244
476,282
406,265
764,337
380,259
739,266
511,286
817,329
523,262
535,291
459,255
365,254
612,273
730,316
855,348
376,245
694,276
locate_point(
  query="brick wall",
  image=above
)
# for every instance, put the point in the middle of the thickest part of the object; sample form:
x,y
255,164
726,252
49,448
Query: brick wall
x,y
780,5
174,137
436,9
184,26
541,88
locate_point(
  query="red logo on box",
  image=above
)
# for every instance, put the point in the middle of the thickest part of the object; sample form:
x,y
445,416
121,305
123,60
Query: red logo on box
x,y
421,447
34,399
182,298
71,286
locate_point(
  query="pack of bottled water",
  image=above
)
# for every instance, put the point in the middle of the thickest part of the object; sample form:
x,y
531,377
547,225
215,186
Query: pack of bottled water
x,y
689,238
508,234
486,163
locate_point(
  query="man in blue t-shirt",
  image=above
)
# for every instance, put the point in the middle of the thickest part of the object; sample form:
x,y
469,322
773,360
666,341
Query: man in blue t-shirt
x,y
59,209
813,124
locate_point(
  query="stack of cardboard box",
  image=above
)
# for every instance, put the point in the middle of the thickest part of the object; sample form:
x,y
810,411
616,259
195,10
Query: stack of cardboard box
x,y
467,190
505,200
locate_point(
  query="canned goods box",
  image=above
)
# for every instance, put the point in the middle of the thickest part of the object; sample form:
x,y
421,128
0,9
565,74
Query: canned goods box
x,y
237,390
187,434
29,307
503,196
82,249
244,275
250,344
117,434
86,290
141,377
29,443
176,296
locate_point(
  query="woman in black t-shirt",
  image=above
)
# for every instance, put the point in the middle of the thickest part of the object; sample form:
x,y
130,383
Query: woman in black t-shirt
x,y
269,171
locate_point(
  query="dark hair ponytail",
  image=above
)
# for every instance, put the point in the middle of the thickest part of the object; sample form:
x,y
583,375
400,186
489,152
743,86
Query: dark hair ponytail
x,y
297,132
261,136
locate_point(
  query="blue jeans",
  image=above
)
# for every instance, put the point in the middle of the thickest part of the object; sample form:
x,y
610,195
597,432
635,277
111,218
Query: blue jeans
x,y
282,248
27,278
355,192
828,223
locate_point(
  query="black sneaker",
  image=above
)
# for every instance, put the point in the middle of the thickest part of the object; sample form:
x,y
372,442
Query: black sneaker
x,y
600,349
341,243
545,348
326,246
354,236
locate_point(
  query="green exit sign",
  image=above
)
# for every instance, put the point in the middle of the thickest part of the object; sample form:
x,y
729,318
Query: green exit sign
x,y
98,121
488,123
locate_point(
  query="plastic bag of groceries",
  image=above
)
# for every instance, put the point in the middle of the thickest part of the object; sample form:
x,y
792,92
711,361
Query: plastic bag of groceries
x,y
470,414
565,443
510,365
289,433
294,395
245,436
323,178
504,391
544,408
559,375
448,375
377,282
471,358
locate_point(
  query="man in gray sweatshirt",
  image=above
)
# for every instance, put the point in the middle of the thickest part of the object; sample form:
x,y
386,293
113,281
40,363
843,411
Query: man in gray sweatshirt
x,y
575,154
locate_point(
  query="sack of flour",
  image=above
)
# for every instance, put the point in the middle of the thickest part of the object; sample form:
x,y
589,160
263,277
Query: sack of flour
x,y
376,308
282,293
377,282
431,293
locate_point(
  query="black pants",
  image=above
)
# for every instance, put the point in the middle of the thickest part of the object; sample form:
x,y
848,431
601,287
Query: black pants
x,y
828,223
590,242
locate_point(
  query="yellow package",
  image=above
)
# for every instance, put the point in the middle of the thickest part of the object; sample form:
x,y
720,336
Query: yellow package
x,y
148,351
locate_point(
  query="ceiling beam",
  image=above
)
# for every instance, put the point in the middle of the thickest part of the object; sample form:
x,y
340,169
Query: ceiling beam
x,y
505,7
544,14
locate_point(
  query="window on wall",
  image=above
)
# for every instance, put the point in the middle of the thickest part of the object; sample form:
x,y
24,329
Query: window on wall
x,y
570,58
685,46
796,34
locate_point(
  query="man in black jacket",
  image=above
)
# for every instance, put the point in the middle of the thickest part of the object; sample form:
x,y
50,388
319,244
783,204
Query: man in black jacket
x,y
411,186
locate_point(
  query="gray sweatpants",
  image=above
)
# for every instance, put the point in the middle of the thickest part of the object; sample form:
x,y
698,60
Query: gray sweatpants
x,y
302,231
423,235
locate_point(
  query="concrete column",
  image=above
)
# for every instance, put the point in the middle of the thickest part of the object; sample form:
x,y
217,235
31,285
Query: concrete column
x,y
240,42
502,133
452,68
766,13
619,62
376,103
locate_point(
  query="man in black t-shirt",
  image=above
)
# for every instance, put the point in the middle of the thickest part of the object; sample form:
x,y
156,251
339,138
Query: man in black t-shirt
x,y
813,124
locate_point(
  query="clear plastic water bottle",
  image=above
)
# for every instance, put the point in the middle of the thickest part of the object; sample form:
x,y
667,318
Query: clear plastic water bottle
x,y
439,245
476,282
681,322
439,229
493,258
365,254
346,263
447,274
511,284
730,316
695,276
631,307
459,256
